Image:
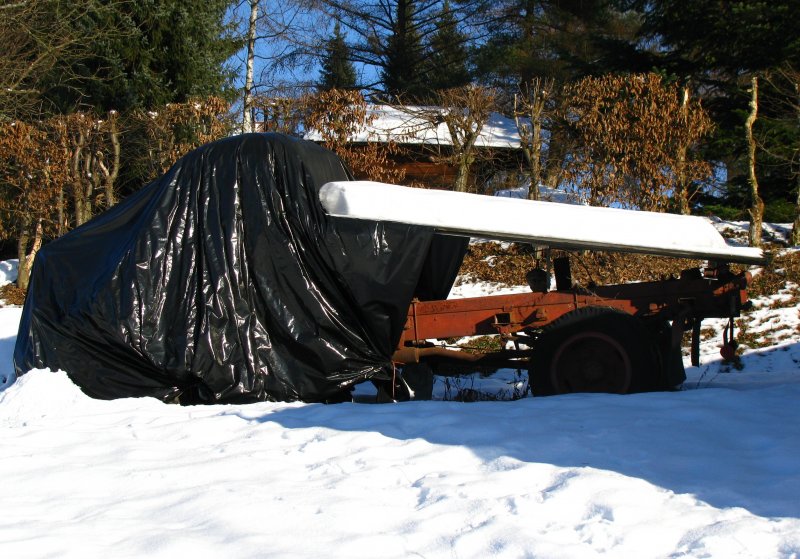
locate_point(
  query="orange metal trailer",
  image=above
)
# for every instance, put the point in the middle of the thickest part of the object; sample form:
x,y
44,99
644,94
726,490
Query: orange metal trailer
x,y
614,338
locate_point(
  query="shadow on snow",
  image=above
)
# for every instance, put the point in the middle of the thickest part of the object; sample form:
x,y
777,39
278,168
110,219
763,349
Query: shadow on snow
x,y
729,446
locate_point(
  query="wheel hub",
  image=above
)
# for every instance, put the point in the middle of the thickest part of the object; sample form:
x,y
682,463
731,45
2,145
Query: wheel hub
x,y
591,361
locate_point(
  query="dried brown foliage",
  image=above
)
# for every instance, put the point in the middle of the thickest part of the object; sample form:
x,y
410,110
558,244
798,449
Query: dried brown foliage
x,y
12,295
24,181
604,268
31,178
498,263
508,264
175,130
334,117
784,268
284,115
58,173
635,138
338,116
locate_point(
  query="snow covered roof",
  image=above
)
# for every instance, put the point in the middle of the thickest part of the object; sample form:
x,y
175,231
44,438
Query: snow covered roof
x,y
424,125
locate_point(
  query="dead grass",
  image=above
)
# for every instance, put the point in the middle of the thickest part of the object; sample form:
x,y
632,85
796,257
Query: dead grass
x,y
750,339
780,275
782,269
482,344
708,333
604,268
509,264
10,294
494,263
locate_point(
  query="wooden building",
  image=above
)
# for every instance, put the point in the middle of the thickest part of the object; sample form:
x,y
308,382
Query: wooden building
x,y
425,145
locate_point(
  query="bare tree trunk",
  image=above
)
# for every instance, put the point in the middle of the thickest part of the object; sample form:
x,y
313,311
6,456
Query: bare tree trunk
x,y
89,181
36,244
756,209
63,220
794,239
60,212
247,117
77,178
109,175
461,183
113,173
29,235
465,112
95,180
534,158
682,182
464,147
23,271
532,107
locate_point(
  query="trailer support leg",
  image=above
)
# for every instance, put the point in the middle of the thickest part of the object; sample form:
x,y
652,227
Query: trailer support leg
x,y
696,323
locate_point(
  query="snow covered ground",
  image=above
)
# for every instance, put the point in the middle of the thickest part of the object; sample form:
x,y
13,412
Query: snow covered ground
x,y
710,471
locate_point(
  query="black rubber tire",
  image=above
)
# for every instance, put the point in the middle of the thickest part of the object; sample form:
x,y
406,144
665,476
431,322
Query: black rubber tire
x,y
596,350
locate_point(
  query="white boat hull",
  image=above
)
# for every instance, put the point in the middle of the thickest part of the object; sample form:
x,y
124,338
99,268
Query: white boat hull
x,y
542,223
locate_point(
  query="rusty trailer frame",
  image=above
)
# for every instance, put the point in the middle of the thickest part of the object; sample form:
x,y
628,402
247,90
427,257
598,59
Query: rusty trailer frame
x,y
574,336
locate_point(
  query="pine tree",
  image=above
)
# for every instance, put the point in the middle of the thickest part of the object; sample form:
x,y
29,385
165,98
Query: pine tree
x,y
337,69
402,74
731,37
720,47
391,40
165,51
447,61
545,38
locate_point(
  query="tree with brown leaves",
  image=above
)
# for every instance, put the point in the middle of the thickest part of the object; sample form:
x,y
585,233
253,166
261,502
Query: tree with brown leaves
x,y
635,139
338,116
173,131
281,113
33,173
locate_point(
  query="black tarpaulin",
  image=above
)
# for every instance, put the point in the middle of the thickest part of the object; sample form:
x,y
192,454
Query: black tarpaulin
x,y
225,281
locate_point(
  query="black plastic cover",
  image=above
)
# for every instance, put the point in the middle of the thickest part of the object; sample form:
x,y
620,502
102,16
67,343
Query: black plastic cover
x,y
225,281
